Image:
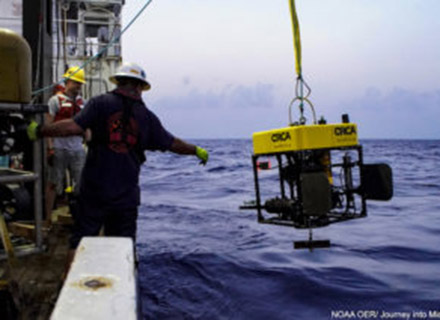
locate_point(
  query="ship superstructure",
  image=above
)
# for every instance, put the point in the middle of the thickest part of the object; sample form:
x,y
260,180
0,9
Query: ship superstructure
x,y
87,33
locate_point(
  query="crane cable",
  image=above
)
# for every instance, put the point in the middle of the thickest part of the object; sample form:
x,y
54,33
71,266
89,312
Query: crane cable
x,y
300,83
112,42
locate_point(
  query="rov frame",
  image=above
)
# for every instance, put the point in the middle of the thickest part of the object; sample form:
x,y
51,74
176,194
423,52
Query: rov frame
x,y
310,195
292,195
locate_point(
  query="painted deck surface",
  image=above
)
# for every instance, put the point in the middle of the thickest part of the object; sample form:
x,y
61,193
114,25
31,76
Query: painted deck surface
x,y
101,283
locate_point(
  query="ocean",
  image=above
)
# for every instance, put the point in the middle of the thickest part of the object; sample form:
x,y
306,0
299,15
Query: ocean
x,y
200,257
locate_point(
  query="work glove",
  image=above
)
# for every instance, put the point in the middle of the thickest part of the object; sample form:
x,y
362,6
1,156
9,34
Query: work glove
x,y
202,154
32,130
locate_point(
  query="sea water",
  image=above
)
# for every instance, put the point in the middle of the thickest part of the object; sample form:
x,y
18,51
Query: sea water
x,y
203,258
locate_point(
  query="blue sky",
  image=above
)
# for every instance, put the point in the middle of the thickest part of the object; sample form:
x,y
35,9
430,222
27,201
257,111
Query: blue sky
x,y
225,69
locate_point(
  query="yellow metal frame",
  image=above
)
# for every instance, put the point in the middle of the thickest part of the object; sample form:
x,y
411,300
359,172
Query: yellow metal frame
x,y
305,137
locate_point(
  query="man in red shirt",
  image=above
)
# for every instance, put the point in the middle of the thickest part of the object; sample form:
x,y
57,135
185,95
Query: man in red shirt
x,y
64,153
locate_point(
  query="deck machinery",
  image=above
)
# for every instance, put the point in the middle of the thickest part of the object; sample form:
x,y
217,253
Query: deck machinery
x,y
321,177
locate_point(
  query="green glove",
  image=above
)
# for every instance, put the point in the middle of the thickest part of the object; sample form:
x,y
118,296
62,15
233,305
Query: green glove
x,y
32,130
202,154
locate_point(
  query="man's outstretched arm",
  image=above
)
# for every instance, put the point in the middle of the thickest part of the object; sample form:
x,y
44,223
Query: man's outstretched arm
x,y
182,147
62,128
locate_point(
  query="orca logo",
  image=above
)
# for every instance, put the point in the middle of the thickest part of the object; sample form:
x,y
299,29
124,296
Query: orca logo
x,y
345,131
282,136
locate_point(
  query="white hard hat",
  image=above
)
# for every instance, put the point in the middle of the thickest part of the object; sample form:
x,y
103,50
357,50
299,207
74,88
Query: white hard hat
x,y
131,70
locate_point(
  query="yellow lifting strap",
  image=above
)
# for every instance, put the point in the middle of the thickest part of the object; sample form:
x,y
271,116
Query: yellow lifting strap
x,y
296,37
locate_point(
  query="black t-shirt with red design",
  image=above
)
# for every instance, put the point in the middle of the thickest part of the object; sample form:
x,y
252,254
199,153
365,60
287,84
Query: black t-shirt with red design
x,y
122,129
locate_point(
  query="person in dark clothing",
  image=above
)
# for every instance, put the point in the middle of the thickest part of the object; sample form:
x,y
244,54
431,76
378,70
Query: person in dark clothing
x,y
122,128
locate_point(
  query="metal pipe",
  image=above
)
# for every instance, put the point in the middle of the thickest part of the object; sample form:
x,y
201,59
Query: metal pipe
x,y
38,194
91,22
348,180
280,174
290,181
257,188
17,177
81,35
22,251
363,197
10,106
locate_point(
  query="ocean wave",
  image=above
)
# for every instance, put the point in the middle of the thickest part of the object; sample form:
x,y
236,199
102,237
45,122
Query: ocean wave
x,y
203,258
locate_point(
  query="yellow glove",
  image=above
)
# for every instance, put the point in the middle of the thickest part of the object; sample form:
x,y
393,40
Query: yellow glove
x,y
32,130
202,154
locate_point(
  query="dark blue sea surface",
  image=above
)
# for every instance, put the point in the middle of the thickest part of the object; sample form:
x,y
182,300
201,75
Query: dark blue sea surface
x,y
203,258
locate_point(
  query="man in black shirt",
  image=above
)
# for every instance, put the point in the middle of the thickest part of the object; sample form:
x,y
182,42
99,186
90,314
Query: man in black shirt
x,y
122,129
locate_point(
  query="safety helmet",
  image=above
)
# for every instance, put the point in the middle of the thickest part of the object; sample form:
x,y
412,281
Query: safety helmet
x,y
131,70
76,74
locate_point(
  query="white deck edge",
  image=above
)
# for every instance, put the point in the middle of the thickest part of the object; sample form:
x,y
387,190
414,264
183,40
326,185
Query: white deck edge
x,y
101,283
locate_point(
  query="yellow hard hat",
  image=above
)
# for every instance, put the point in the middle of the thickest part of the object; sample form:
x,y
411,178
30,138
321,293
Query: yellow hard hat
x,y
75,74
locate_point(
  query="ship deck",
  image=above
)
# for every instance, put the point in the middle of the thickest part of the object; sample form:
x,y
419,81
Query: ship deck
x,y
39,276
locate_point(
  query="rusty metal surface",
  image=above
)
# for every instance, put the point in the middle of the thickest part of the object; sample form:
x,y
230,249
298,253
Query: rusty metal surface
x,y
101,283
95,283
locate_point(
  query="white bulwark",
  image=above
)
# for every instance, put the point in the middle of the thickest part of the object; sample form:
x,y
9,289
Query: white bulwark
x,y
101,283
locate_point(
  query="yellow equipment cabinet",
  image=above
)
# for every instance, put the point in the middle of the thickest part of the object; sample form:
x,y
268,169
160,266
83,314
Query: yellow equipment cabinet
x,y
305,137
15,69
